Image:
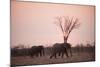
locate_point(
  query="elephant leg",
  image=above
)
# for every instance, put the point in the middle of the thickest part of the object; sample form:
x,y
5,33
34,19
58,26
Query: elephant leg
x,y
43,52
70,52
55,55
31,55
59,54
40,53
66,53
62,54
51,55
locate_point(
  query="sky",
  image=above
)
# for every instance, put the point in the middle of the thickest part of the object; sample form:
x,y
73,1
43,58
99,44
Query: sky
x,y
32,23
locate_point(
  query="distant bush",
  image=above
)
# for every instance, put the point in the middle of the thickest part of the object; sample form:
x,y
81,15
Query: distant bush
x,y
48,50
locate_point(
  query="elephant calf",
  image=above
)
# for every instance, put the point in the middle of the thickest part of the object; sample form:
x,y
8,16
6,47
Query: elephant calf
x,y
36,51
60,49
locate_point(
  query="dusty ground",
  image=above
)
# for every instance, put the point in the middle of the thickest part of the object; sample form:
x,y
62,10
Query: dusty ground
x,y
77,57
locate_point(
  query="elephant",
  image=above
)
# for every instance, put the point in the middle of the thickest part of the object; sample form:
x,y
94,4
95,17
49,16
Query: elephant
x,y
68,47
61,49
36,51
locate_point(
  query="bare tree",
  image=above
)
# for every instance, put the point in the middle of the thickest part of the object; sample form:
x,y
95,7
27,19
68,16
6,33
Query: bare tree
x,y
66,25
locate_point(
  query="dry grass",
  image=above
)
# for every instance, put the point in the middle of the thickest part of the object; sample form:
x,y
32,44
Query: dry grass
x,y
77,57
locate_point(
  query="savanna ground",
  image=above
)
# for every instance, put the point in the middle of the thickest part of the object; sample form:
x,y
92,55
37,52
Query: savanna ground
x,y
80,56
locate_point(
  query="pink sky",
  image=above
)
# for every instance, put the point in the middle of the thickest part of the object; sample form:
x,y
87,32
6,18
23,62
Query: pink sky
x,y
33,23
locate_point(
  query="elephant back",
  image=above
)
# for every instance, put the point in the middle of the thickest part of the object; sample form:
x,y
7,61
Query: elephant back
x,y
67,45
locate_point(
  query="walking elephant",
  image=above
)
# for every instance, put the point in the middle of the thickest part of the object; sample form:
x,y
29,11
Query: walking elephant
x,y
36,51
61,49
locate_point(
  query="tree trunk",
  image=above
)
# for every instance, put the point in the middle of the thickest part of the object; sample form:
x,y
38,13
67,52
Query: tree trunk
x,y
65,39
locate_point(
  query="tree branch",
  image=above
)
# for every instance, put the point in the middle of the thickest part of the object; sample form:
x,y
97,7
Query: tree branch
x,y
60,23
67,25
